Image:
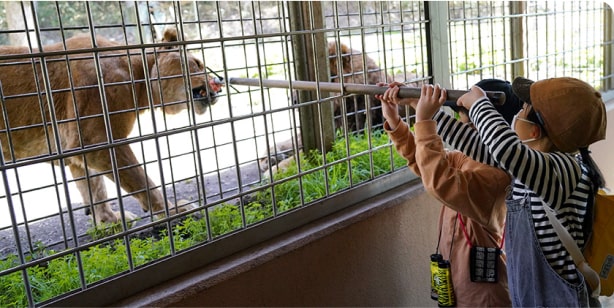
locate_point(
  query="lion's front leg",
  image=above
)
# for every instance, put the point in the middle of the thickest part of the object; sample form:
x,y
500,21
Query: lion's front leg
x,y
133,180
94,193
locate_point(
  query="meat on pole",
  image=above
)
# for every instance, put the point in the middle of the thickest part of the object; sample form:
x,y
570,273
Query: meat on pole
x,y
496,97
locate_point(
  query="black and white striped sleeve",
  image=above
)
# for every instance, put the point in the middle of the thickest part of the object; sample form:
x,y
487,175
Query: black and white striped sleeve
x,y
553,176
462,137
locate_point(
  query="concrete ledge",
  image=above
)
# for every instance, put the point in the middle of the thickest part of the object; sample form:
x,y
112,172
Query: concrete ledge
x,y
187,286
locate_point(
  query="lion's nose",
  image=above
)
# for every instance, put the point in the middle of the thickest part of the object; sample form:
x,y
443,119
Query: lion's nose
x,y
216,84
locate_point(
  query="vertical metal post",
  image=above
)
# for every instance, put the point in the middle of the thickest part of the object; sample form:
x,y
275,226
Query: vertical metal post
x,y
517,8
4,179
608,49
311,58
19,17
438,42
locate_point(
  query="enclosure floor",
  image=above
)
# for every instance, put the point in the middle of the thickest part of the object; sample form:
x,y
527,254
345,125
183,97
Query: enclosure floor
x,y
49,230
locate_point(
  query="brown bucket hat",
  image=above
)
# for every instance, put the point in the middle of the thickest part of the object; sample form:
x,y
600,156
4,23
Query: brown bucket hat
x,y
571,111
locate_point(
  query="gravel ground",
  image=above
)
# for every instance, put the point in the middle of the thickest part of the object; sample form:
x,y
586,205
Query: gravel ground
x,y
49,231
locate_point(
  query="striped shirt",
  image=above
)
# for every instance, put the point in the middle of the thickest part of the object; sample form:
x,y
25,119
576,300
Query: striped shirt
x,y
557,179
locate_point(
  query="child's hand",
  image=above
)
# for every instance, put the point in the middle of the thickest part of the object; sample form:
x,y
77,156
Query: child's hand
x,y
390,100
431,99
468,99
393,96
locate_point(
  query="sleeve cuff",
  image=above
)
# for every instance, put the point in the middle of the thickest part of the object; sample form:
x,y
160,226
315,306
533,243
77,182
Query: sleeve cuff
x,y
401,130
425,130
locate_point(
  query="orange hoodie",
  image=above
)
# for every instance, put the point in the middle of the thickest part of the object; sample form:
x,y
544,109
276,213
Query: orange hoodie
x,y
476,191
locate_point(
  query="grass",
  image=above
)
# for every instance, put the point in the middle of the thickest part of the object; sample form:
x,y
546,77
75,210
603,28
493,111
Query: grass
x,y
61,275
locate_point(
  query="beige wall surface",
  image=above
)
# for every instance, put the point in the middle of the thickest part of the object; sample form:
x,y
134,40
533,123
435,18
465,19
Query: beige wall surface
x,y
603,151
381,260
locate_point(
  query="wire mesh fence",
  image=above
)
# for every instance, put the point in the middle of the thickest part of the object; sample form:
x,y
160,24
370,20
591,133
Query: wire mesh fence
x,y
125,144
535,39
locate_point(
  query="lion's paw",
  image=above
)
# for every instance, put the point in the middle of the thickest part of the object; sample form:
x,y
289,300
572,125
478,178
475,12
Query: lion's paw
x,y
182,206
129,216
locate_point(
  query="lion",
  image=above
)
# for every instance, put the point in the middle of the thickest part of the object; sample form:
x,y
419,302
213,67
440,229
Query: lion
x,y
352,65
278,154
82,113
353,71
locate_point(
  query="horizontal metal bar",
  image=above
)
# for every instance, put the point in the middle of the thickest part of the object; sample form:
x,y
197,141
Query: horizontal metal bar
x,y
495,97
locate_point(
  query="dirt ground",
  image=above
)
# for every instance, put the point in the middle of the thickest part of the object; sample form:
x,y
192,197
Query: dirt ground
x,y
52,231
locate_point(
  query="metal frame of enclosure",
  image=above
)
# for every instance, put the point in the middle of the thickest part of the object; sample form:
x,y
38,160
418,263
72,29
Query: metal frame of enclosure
x,y
263,159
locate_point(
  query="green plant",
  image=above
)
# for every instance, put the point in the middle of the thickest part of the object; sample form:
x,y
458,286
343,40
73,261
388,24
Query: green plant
x,y
106,229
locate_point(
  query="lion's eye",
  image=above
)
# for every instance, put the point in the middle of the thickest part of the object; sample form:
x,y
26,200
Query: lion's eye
x,y
200,64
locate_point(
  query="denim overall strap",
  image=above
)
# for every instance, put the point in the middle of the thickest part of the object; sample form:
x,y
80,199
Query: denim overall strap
x,y
532,282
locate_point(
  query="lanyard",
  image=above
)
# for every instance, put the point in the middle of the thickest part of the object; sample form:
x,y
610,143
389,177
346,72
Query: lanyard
x,y
440,230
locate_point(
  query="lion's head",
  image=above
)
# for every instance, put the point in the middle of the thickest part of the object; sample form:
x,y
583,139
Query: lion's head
x,y
170,86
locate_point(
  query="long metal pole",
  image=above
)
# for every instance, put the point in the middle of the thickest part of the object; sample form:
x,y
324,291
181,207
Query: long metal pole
x,y
496,97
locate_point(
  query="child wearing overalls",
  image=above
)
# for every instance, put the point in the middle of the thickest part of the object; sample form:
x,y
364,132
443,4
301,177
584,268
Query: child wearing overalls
x,y
546,152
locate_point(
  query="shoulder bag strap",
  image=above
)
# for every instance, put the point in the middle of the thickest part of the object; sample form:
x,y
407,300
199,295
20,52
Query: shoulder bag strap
x,y
591,277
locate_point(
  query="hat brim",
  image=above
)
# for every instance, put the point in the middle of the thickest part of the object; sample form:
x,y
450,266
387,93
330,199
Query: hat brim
x,y
522,88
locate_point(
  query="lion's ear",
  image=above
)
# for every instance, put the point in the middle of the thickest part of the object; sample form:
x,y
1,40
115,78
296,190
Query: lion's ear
x,y
346,55
170,35
332,48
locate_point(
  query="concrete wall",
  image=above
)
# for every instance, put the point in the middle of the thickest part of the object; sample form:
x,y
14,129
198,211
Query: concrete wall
x,y
603,151
379,260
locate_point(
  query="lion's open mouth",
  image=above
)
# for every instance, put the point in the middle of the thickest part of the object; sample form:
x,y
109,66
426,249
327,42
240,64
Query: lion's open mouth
x,y
201,94
208,96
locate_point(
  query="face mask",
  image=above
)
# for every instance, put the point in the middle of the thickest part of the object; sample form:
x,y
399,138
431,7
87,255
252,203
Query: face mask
x,y
527,121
